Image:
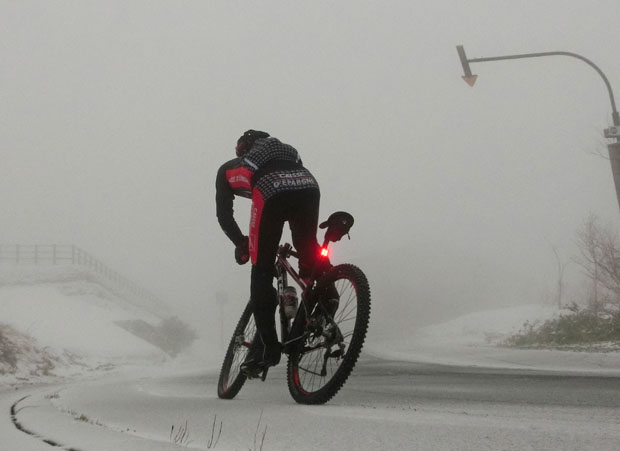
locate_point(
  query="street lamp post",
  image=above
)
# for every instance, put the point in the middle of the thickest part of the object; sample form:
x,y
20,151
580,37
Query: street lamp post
x,y
611,132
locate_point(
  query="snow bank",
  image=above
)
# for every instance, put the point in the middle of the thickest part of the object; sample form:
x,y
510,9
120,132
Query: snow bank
x,y
22,359
484,328
475,340
65,314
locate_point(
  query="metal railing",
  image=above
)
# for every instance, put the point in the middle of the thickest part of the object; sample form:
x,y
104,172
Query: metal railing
x,y
61,254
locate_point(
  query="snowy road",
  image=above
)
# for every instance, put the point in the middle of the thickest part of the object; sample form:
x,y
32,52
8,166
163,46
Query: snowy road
x,y
385,405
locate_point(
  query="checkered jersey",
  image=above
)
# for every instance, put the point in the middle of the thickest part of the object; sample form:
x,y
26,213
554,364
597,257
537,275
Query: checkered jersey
x,y
269,168
268,149
276,182
277,168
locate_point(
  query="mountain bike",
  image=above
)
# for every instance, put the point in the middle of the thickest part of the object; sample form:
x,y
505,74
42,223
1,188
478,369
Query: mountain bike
x,y
322,337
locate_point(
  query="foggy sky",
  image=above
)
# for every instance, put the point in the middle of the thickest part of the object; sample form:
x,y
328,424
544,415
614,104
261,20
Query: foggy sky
x,y
116,115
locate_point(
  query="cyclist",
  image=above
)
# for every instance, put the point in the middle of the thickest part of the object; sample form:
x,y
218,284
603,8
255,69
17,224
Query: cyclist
x,y
271,173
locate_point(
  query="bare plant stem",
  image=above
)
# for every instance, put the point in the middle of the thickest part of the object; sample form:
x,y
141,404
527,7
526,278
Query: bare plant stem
x,y
181,437
262,440
213,443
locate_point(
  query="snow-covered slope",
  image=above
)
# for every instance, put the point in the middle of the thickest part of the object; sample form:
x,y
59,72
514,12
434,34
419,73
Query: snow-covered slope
x,y
69,318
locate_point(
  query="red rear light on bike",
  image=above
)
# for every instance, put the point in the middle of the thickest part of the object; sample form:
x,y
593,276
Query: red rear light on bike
x,y
324,252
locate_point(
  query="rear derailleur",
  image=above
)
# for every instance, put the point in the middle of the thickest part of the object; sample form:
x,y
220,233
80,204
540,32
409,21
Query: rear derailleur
x,y
329,335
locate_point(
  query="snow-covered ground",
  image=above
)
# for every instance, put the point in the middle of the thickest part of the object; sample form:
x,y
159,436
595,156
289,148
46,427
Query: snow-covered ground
x,y
75,319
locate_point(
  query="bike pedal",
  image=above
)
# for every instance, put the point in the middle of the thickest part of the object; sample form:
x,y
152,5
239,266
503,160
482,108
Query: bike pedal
x,y
250,373
256,373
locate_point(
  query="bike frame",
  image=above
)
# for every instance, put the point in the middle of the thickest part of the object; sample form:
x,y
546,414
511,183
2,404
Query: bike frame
x,y
338,224
291,331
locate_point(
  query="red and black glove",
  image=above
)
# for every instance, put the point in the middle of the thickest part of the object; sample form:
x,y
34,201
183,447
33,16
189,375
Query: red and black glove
x,y
242,251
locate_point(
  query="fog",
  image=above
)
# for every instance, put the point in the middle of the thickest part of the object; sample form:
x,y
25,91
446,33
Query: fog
x,y
115,116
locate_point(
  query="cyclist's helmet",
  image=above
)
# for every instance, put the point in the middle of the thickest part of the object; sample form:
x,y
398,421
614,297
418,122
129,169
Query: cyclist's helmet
x,y
246,141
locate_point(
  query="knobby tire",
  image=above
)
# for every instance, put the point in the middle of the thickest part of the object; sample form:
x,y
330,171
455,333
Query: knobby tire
x,y
306,384
231,380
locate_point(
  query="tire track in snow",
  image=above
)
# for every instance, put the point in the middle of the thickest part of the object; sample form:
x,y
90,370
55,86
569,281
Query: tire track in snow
x,y
22,428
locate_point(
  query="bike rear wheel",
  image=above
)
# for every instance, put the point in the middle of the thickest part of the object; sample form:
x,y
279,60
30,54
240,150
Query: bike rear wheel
x,y
320,366
231,379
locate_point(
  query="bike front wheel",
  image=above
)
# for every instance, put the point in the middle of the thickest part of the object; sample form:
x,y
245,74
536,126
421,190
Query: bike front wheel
x,y
318,368
231,379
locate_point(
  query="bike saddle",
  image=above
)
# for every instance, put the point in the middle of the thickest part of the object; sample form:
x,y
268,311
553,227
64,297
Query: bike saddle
x,y
338,224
